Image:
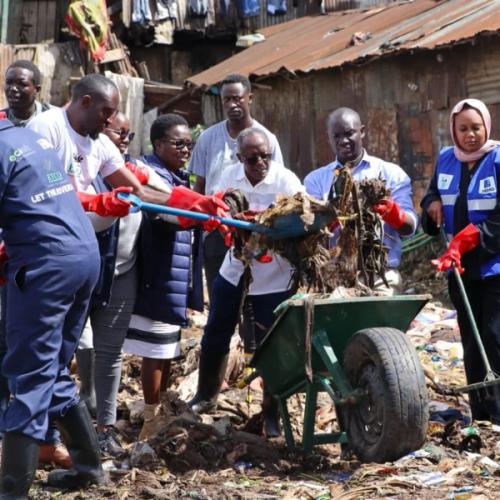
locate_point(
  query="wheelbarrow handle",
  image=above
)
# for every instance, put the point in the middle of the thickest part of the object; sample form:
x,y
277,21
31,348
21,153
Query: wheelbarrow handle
x,y
162,209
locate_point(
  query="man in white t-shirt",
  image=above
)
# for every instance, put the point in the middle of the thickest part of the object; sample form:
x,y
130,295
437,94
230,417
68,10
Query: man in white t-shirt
x,y
75,134
261,179
216,149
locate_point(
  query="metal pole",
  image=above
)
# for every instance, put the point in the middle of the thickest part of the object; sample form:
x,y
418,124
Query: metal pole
x,y
490,375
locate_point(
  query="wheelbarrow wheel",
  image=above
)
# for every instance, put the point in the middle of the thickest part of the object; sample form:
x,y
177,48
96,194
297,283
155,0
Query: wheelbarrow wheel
x,y
392,419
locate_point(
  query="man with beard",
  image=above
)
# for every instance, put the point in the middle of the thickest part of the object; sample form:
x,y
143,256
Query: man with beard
x,y
75,133
346,134
23,82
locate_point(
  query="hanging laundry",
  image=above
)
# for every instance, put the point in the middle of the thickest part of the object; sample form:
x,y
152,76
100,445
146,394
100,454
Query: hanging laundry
x,y
276,7
141,12
166,9
248,8
88,20
198,8
224,7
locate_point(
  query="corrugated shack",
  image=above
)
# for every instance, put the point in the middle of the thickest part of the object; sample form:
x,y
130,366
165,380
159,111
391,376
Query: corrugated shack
x,y
402,66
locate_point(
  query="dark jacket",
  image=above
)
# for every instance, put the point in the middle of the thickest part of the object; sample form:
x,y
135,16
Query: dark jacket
x,y
170,277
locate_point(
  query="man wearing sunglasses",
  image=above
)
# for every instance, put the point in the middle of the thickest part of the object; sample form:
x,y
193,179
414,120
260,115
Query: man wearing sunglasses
x,y
262,180
216,149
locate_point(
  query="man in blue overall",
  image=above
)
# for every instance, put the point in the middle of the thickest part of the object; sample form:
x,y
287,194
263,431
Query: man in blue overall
x,y
51,269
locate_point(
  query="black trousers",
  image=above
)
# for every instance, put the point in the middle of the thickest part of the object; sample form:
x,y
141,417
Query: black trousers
x,y
484,298
214,252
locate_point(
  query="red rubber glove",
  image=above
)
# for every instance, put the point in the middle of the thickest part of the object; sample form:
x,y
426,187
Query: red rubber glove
x,y
3,115
186,199
3,260
462,242
263,257
140,171
106,204
390,212
211,224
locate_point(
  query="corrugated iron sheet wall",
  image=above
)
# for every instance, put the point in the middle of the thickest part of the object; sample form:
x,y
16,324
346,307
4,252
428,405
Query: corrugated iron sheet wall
x,y
331,5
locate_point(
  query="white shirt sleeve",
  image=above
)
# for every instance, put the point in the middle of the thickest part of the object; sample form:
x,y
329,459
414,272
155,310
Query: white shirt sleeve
x,y
111,159
292,184
46,128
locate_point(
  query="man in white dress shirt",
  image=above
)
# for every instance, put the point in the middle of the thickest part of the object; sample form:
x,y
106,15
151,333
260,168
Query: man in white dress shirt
x,y
261,179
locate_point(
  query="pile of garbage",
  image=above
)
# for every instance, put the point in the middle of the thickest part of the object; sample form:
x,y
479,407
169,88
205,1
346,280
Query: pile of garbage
x,y
224,455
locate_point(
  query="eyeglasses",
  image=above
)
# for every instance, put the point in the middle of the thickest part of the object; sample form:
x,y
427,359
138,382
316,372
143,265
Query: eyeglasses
x,y
253,160
122,133
180,143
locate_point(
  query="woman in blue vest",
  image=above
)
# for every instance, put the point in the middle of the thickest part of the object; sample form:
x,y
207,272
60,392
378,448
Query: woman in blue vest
x,y
170,272
464,197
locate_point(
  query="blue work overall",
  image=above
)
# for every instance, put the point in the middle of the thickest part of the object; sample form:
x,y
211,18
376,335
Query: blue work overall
x,y
52,268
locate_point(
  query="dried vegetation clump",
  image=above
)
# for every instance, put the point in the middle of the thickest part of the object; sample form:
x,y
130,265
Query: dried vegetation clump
x,y
357,260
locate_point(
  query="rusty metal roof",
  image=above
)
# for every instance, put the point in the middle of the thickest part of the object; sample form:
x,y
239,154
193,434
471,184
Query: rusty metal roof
x,y
318,42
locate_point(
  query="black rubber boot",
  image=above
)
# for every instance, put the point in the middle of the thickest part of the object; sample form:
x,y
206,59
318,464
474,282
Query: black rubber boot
x,y
210,377
270,415
19,462
80,438
85,360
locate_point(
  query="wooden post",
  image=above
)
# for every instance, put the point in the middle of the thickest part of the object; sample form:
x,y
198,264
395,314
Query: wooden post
x,y
10,19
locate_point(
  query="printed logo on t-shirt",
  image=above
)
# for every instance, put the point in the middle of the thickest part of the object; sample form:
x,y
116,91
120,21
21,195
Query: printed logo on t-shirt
x,y
487,185
15,155
54,176
74,168
444,181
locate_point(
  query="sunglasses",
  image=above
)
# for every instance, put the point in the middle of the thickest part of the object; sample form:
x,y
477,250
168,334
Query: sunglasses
x,y
122,133
253,160
180,143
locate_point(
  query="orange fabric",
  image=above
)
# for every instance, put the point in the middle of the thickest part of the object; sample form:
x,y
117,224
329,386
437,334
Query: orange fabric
x,y
88,20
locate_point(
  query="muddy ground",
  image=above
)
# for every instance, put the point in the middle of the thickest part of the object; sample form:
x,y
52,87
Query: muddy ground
x,y
223,456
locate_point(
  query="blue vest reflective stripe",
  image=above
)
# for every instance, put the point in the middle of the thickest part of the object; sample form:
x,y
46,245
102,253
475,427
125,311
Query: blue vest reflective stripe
x,y
481,194
166,274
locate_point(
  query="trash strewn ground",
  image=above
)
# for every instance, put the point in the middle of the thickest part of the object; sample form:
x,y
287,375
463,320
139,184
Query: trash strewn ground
x,y
223,456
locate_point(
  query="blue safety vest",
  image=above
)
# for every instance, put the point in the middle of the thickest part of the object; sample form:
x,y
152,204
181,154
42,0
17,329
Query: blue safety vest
x,y
481,194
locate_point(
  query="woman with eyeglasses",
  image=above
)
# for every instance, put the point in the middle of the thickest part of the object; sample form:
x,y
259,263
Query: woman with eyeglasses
x,y
170,279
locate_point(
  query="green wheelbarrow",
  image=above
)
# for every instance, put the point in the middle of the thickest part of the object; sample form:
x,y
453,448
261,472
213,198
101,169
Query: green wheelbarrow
x,y
356,351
